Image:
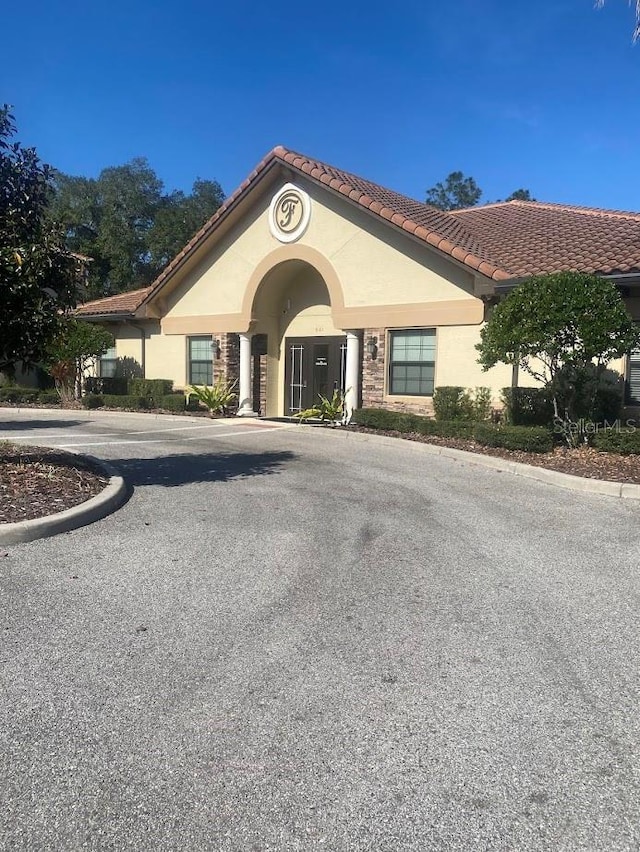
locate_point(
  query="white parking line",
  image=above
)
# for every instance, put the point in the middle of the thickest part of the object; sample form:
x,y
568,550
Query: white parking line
x,y
38,432
233,434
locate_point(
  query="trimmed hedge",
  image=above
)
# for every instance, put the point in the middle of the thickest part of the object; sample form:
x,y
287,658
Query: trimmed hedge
x,y
92,400
151,389
172,402
530,439
451,402
528,406
534,406
125,401
49,397
533,439
31,395
106,384
626,442
399,421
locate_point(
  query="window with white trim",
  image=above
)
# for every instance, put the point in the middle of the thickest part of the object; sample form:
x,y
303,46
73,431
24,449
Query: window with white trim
x,y
200,354
412,361
107,363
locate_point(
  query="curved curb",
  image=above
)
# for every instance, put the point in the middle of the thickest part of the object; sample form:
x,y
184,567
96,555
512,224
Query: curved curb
x,y
624,490
107,501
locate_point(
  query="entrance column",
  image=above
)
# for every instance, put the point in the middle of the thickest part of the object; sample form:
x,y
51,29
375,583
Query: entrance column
x,y
352,372
244,390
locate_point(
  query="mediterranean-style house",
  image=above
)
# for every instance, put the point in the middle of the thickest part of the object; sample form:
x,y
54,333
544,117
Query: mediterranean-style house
x,y
310,278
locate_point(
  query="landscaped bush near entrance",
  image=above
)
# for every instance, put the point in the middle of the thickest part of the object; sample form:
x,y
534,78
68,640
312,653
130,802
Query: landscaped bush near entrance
x,y
151,389
528,406
457,403
623,441
92,400
17,395
105,384
528,438
125,401
378,418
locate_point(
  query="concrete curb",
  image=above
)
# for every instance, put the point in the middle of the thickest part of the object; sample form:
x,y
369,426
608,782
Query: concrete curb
x,y
110,498
624,490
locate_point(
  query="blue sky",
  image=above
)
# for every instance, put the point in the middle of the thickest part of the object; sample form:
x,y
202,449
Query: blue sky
x,y
542,95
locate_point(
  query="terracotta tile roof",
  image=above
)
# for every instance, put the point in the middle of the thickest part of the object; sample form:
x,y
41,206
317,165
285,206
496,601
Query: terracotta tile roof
x,y
529,237
424,222
502,241
123,303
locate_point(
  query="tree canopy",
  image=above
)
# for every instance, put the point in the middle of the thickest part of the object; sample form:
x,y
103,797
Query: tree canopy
x,y
458,191
454,193
561,329
123,220
39,278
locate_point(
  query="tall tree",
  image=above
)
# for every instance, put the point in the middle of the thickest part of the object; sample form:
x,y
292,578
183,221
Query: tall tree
x,y
455,193
39,279
179,217
520,195
124,222
636,3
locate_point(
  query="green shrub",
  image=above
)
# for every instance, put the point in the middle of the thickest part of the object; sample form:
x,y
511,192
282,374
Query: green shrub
x,y
18,395
399,421
532,439
126,401
608,404
375,418
626,442
217,398
527,406
481,403
454,429
106,384
92,400
49,397
172,402
452,403
456,403
151,389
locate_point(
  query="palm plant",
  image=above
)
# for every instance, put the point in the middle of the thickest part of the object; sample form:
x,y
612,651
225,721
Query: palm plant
x,y
326,411
217,398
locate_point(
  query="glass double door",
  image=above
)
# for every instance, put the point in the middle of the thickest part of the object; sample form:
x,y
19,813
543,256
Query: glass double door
x,y
314,365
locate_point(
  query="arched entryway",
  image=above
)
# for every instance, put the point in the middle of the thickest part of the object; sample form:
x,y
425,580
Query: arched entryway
x,y
292,313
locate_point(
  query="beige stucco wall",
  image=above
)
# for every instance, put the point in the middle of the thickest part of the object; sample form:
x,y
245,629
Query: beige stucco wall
x,y
166,356
375,266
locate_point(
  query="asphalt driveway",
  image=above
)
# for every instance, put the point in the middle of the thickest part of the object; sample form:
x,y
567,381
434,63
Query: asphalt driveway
x,y
298,639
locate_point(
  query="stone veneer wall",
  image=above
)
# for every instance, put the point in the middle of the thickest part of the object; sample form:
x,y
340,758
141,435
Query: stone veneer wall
x,y
259,383
229,362
228,365
373,380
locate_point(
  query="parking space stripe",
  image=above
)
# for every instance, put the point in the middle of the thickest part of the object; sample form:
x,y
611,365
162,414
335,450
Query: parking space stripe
x,y
38,432
234,434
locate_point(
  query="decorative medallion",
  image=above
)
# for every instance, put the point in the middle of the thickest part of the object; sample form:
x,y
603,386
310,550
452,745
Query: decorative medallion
x,y
289,213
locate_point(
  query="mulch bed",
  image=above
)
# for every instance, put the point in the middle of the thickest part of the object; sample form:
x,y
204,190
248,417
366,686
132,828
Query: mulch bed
x,y
35,482
584,461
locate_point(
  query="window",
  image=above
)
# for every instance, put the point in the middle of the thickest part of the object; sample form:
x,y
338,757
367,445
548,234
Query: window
x,y
107,363
633,377
200,360
412,361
